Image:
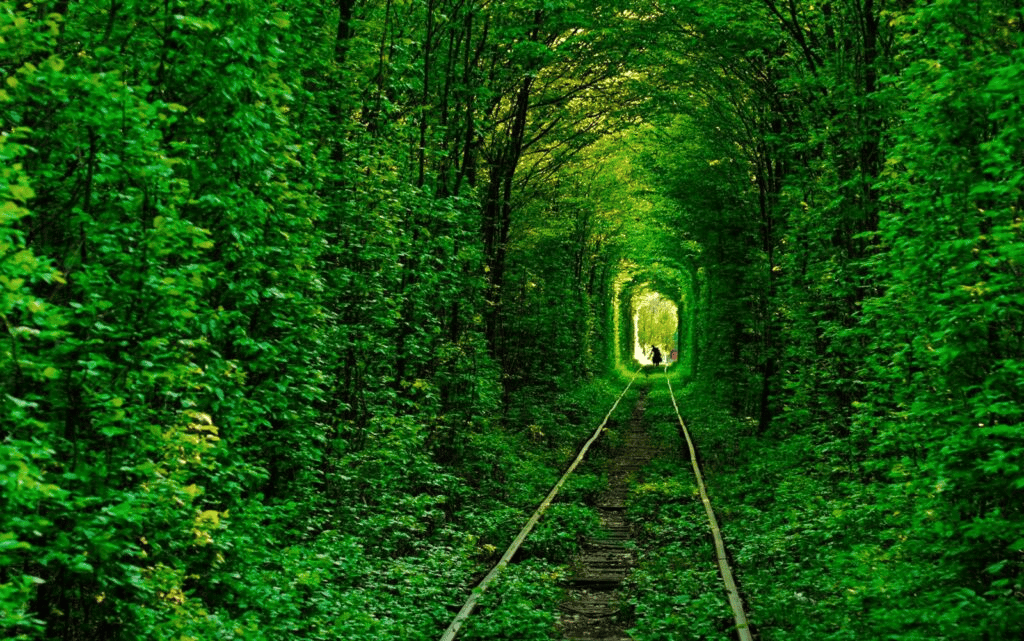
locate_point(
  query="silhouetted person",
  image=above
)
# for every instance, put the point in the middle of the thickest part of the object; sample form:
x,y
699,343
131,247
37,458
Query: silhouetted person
x,y
655,356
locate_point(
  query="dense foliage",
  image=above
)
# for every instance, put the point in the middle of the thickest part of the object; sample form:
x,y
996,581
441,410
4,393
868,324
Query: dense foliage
x,y
296,297
256,285
852,174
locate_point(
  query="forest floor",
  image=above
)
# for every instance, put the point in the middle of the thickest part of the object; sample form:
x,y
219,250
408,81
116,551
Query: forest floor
x,y
592,608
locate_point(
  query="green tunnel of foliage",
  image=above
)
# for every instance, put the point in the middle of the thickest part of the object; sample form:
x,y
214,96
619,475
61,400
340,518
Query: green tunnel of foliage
x,y
296,299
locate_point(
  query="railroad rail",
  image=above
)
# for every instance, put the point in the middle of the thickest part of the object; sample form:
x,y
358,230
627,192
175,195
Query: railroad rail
x,y
741,623
735,602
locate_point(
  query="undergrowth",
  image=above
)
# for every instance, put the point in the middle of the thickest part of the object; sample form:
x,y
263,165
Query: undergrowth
x,y
823,547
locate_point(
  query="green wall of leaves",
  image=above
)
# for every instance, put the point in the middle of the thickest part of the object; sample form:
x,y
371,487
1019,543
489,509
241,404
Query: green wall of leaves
x,y
291,290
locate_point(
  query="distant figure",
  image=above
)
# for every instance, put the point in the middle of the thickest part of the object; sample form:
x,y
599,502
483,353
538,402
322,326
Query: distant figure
x,y
674,356
655,356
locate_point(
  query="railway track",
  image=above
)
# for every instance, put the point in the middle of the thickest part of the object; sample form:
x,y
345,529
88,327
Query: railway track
x,y
591,609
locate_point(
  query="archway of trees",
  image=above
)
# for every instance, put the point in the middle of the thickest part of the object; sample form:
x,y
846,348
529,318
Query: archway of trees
x,y
301,300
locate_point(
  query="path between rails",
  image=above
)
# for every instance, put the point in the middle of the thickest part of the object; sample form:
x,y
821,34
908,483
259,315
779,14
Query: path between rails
x,y
591,609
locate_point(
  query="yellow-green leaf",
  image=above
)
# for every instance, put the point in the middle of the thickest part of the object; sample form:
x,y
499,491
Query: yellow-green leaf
x,y
21,192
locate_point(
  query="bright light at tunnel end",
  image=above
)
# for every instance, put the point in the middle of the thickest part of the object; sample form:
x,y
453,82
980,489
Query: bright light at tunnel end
x,y
655,322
